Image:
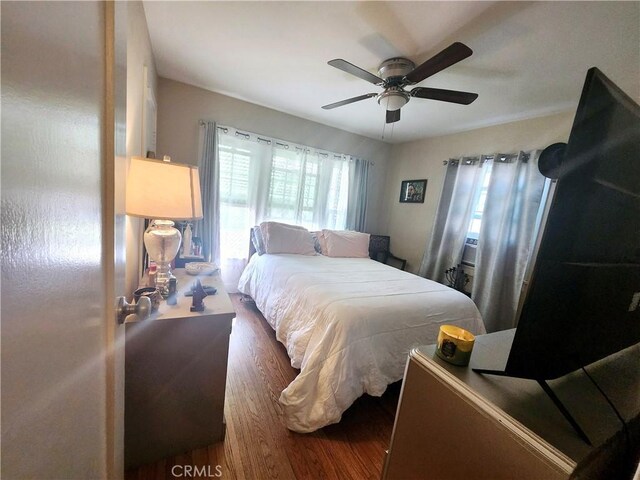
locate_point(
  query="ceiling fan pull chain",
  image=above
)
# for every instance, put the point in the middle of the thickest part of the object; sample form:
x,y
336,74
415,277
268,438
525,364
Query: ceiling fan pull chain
x,y
384,126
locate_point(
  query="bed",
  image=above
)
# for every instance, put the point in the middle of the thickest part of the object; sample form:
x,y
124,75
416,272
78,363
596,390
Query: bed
x,y
348,324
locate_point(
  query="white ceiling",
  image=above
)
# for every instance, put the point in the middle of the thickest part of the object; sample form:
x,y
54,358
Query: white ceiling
x,y
530,58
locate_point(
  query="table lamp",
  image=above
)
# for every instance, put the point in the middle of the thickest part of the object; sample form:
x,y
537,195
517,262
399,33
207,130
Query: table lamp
x,y
163,191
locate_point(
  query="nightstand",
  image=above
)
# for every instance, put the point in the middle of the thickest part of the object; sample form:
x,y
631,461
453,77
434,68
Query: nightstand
x,y
175,375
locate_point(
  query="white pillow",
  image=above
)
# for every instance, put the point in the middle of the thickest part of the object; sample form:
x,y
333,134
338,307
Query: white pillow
x,y
288,225
283,238
344,243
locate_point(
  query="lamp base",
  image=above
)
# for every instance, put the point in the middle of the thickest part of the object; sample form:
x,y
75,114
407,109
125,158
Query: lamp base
x,y
162,242
162,283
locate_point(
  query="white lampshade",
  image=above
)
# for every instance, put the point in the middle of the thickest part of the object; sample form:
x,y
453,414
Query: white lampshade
x,y
392,100
163,190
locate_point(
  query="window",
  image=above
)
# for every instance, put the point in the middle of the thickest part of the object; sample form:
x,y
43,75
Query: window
x,y
264,179
234,174
338,196
235,165
479,203
291,178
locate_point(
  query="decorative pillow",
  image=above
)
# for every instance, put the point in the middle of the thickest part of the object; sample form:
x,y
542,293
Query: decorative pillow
x,y
322,242
316,241
283,238
345,243
257,240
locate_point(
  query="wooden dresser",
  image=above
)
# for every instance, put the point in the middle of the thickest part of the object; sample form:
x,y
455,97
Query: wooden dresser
x,y
175,375
453,423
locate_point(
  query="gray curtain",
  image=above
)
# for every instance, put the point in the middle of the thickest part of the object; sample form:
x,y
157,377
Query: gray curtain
x,y
209,167
506,237
358,191
452,218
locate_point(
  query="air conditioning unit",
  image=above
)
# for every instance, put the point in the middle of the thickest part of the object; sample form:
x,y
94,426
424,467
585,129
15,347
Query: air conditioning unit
x,y
469,254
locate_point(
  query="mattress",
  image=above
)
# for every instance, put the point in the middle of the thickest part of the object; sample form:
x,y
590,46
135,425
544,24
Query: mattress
x,y
348,324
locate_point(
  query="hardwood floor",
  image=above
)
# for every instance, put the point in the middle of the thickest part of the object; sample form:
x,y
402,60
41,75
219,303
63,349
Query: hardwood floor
x,y
257,443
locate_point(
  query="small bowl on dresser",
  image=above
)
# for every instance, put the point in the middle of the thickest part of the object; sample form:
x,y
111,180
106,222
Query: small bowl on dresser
x,y
152,293
201,268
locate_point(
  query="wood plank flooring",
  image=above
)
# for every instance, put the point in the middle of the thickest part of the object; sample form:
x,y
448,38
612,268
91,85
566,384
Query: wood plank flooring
x,y
257,444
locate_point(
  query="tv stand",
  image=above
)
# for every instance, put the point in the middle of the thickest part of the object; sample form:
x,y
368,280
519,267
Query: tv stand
x,y
556,401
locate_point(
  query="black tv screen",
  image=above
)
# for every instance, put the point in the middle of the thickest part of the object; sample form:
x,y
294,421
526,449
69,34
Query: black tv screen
x,y
582,301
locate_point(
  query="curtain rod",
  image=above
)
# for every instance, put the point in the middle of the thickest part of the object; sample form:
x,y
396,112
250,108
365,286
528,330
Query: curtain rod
x,y
202,123
499,157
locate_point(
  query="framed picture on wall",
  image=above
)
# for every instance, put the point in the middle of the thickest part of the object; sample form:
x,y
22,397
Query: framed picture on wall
x,y
413,191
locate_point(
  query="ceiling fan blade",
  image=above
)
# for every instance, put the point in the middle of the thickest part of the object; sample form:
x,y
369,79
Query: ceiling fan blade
x,y
348,101
345,66
452,54
453,96
393,116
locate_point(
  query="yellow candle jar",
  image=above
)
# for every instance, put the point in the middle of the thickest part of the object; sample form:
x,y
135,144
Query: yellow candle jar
x,y
455,345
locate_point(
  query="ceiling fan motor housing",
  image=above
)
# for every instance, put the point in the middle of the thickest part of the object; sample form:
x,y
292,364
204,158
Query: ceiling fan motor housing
x,y
393,70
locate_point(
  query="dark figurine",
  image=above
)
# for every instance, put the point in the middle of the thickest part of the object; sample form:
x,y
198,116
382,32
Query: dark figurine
x,y
197,305
172,299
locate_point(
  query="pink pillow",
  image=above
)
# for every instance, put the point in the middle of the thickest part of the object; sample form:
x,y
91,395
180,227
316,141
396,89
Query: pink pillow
x,y
283,238
345,243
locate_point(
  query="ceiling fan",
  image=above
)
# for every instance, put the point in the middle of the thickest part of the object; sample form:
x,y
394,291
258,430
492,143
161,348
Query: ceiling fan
x,y
397,73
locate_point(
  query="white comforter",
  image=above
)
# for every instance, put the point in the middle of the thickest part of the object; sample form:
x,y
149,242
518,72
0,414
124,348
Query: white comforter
x,y
348,324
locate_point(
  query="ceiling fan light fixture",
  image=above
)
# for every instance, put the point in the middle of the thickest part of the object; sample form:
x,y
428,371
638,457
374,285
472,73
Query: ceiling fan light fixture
x,y
393,100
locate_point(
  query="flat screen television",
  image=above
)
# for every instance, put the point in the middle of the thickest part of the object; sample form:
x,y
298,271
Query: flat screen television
x,y
583,298
582,303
